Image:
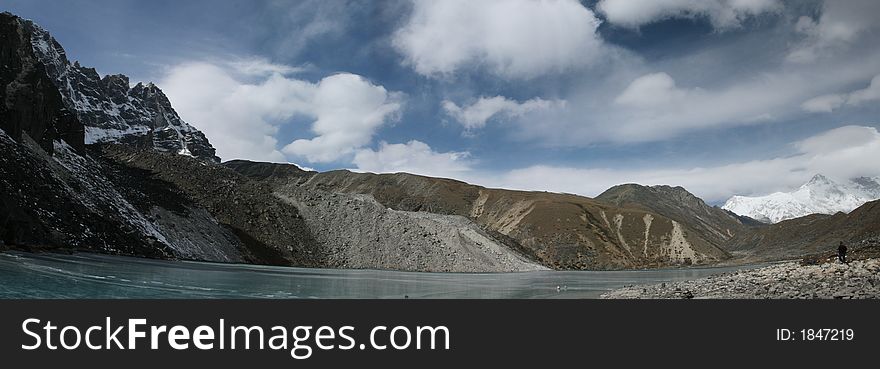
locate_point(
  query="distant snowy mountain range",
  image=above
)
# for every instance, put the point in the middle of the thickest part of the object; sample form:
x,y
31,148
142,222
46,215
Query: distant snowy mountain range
x,y
821,195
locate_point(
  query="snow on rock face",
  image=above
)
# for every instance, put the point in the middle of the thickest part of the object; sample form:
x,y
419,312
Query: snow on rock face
x,y
113,111
820,195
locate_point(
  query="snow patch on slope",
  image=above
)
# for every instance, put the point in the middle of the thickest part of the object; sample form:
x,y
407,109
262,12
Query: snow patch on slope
x,y
97,135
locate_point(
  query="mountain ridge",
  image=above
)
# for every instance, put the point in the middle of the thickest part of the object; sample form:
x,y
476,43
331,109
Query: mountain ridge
x,y
820,195
111,110
677,203
31,104
563,231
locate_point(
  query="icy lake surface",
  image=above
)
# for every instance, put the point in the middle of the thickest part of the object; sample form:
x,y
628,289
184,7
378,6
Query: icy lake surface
x,y
24,275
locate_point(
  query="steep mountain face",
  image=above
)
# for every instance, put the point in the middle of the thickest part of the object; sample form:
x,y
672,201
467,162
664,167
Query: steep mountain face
x,y
717,226
560,231
820,195
29,102
111,110
69,200
58,194
816,233
270,231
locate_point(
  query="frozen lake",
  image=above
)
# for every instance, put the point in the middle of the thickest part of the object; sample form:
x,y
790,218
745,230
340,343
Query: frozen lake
x,y
83,275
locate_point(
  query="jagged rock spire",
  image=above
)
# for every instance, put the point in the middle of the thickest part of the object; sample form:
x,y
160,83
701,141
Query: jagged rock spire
x,y
113,111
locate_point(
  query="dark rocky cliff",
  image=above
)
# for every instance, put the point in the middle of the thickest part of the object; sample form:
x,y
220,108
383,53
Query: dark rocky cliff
x,y
29,101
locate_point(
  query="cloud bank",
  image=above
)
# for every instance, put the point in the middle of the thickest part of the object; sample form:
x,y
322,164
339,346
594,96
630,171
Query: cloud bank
x,y
475,115
509,38
840,153
414,157
828,103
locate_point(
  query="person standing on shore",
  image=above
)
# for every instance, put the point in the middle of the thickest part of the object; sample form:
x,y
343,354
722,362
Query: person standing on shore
x,y
841,252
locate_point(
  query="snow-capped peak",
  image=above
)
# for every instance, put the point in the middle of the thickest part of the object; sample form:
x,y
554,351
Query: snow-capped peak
x,y
819,180
820,195
111,110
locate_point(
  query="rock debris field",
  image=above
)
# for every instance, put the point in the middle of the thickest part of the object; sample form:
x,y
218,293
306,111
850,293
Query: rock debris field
x,y
790,280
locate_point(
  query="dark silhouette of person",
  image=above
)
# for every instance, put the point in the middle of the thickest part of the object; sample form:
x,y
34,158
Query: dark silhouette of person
x,y
841,252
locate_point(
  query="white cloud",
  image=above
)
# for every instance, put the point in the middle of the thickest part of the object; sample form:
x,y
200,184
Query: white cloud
x,y
241,105
704,87
630,107
840,153
653,90
475,116
838,139
841,24
512,38
870,93
828,103
262,67
722,13
239,118
824,103
654,107
349,110
414,157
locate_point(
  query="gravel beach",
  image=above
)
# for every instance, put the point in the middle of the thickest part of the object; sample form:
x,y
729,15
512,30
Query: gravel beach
x,y
859,279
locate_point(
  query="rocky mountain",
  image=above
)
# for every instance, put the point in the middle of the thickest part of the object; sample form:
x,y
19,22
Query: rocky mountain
x,y
55,194
31,104
109,108
714,224
821,195
323,229
560,231
69,200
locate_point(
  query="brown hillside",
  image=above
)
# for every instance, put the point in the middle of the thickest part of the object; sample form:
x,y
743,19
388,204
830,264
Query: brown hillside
x,y
561,231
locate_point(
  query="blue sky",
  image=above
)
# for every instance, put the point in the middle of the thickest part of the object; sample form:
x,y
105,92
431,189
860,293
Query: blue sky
x,y
722,97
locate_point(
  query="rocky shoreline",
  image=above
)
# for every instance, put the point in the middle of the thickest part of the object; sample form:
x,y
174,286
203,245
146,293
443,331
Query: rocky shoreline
x,y
860,279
